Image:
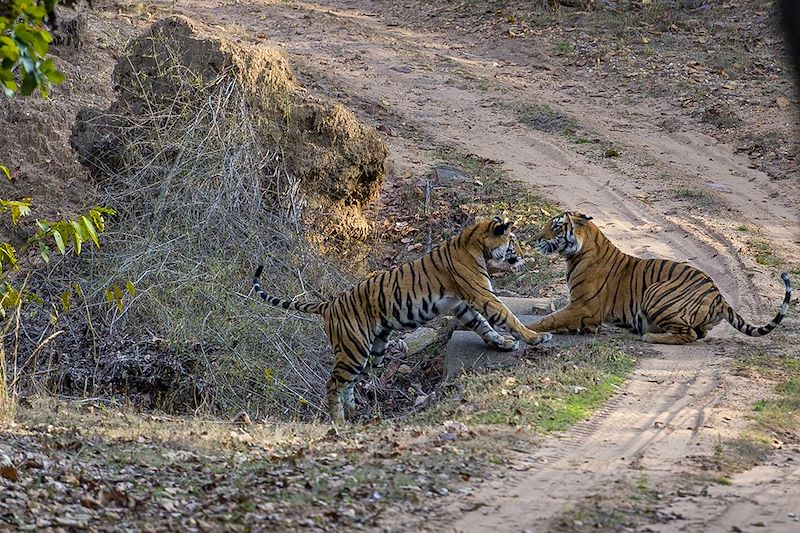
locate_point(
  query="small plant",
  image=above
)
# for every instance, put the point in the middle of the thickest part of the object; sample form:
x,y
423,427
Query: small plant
x,y
689,193
718,453
63,235
764,254
542,117
564,49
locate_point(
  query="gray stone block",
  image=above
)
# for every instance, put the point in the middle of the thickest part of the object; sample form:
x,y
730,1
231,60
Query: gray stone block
x,y
529,306
467,351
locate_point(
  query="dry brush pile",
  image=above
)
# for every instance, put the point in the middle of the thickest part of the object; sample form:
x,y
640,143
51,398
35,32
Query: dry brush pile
x,y
216,161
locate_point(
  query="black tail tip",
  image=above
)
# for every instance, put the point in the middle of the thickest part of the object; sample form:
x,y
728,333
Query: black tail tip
x,y
785,277
259,270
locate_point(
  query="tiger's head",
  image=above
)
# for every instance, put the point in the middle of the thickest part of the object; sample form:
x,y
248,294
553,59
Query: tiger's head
x,y
563,234
499,242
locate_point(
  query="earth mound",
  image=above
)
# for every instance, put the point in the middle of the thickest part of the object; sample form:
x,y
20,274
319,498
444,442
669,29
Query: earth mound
x,y
338,162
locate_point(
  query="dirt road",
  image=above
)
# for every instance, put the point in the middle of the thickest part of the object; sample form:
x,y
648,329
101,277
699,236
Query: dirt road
x,y
673,192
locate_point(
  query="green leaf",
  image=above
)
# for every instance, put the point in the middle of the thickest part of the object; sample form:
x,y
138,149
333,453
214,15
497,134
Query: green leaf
x,y
9,88
56,77
77,236
18,208
59,242
9,299
29,84
33,297
35,12
66,299
79,229
130,288
41,42
8,254
97,213
8,49
4,170
86,222
48,68
45,253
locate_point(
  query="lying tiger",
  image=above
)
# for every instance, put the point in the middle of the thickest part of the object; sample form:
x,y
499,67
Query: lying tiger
x,y
664,301
451,278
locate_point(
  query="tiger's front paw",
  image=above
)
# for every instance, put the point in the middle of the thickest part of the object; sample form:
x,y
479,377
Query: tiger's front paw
x,y
540,338
509,344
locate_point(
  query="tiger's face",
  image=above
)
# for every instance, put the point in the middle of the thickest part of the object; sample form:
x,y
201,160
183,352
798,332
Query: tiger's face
x,y
562,234
500,243
514,252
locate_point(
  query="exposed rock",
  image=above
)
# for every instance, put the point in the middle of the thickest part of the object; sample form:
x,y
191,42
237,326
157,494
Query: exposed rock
x,y
419,339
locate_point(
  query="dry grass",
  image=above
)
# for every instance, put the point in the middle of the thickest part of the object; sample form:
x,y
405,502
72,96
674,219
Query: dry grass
x,y
8,391
201,203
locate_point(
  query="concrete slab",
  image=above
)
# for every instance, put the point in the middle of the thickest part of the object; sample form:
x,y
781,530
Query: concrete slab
x,y
529,306
467,351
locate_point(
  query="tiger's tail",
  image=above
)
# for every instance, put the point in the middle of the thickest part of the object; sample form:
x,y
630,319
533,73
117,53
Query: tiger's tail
x,y
741,324
314,308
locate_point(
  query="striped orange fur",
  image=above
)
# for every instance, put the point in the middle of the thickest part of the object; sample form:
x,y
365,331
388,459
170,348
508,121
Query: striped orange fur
x,y
452,278
664,301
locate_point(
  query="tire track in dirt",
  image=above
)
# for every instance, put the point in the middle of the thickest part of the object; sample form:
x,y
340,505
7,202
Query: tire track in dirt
x,y
652,424
672,409
673,406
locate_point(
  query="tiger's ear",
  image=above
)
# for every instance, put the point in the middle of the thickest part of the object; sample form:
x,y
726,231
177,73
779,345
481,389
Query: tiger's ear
x,y
502,227
581,219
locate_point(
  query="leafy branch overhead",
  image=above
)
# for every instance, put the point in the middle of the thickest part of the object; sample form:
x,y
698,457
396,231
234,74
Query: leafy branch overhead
x,y
24,43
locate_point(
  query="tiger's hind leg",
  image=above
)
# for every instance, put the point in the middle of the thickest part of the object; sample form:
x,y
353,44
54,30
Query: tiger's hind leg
x,y
341,397
350,359
672,323
478,323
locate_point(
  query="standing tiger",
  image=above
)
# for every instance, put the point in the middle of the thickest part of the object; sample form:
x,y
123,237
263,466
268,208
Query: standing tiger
x,y
451,278
664,301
